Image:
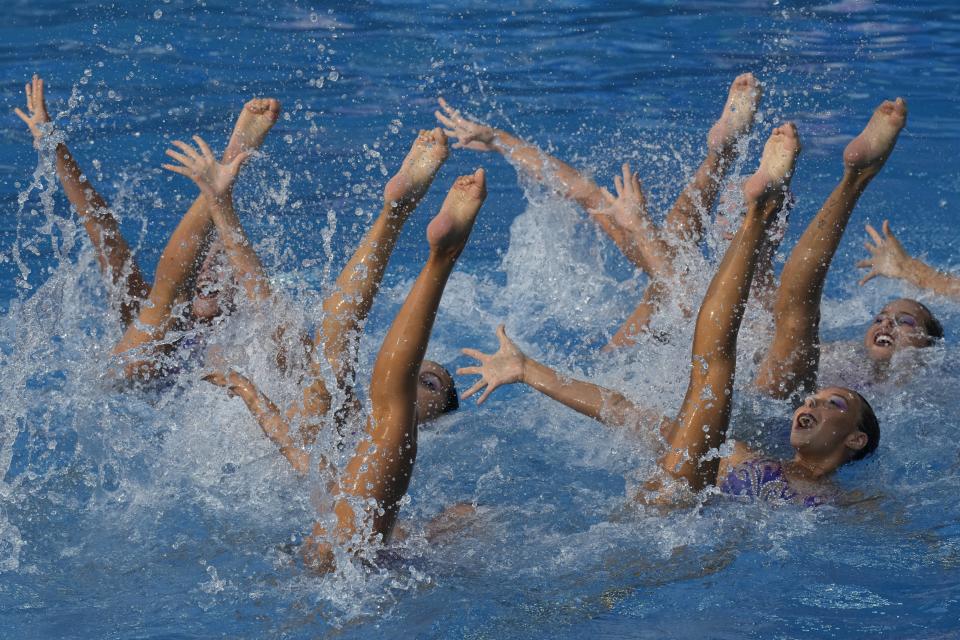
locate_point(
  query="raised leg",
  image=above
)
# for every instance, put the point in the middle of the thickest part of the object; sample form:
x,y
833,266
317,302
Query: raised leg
x,y
378,475
791,363
185,250
685,220
359,281
704,416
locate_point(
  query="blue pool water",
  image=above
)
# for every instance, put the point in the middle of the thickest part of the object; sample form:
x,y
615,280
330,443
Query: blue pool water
x,y
166,514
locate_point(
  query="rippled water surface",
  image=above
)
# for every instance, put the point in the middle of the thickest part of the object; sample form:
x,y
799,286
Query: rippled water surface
x,y
165,513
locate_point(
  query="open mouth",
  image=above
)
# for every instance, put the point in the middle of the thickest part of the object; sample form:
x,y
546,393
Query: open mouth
x,y
806,421
884,340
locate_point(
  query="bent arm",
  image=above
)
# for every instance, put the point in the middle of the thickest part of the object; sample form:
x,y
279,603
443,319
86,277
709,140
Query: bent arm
x,y
267,415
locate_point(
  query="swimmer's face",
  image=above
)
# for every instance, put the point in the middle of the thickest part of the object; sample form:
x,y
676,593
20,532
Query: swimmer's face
x,y
434,391
827,421
210,299
902,323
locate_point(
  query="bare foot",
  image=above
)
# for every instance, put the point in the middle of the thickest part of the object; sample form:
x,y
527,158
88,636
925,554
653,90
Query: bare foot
x,y
738,113
449,230
869,150
776,166
256,119
428,152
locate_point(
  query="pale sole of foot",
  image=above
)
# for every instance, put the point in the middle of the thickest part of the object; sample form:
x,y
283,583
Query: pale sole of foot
x,y
738,113
419,168
451,227
871,148
776,165
254,123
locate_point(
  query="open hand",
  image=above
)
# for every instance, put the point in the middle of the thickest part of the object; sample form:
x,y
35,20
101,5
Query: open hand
x,y
36,107
214,179
503,367
629,208
469,134
887,256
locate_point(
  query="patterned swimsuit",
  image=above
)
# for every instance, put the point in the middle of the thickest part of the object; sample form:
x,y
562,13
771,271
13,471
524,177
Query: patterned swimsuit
x,y
763,479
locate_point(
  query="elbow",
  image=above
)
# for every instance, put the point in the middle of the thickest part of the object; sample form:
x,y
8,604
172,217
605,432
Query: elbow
x,y
318,555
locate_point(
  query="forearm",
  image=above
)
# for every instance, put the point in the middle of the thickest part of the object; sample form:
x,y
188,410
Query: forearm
x,y
548,169
639,321
603,405
923,276
270,420
243,259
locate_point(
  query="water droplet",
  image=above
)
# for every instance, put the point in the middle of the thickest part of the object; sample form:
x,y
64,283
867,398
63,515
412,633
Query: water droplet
x,y
157,14
137,38
333,76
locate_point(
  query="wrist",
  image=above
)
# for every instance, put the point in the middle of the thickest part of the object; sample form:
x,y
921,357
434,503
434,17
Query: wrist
x,y
914,271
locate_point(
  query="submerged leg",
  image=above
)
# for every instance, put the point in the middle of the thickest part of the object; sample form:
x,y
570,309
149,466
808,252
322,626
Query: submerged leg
x,y
791,363
379,472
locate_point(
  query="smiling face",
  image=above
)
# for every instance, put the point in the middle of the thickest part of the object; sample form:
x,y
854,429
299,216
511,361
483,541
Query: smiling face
x,y
902,323
436,394
827,425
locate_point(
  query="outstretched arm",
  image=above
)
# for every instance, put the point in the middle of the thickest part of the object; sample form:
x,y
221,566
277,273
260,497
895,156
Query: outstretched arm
x,y
267,415
888,258
113,253
704,416
510,365
791,363
540,166
379,473
216,182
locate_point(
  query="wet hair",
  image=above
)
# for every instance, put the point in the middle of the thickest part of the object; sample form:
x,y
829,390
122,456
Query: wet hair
x,y
452,401
870,426
933,327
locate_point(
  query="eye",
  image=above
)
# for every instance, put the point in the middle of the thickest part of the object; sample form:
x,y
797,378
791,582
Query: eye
x,y
430,381
878,319
907,319
838,402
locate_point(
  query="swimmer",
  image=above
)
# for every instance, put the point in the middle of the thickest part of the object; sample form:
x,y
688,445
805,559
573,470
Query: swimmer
x,y
889,259
346,309
683,227
377,476
624,218
147,312
791,363
833,426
